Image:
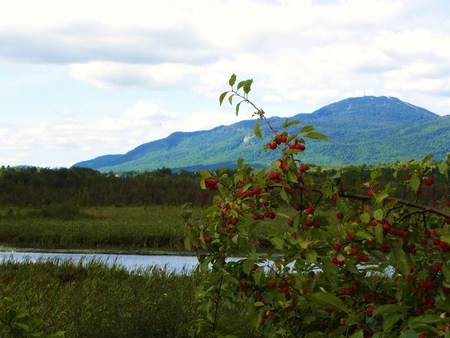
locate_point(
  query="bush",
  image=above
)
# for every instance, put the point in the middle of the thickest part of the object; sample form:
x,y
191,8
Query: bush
x,y
348,263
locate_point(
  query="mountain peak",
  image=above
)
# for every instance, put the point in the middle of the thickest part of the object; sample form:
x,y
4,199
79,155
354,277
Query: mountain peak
x,y
378,109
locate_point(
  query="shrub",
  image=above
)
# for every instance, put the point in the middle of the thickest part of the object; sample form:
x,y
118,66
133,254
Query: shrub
x,y
356,262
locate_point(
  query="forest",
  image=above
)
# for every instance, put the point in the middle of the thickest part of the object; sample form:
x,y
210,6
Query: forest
x,y
33,186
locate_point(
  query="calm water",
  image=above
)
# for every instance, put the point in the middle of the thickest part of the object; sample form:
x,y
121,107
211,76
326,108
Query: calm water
x,y
130,262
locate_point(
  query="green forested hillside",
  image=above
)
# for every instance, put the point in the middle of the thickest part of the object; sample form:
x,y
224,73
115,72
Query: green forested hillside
x,y
361,130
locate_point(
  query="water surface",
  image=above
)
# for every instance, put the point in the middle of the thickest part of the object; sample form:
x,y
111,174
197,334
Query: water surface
x,y
176,263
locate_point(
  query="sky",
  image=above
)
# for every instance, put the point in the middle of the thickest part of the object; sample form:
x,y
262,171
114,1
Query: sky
x,y
81,79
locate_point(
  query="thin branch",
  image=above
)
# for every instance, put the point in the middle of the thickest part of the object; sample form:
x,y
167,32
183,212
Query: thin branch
x,y
424,208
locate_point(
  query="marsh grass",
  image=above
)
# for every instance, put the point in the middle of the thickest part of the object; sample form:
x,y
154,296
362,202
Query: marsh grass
x,y
91,299
119,228
67,226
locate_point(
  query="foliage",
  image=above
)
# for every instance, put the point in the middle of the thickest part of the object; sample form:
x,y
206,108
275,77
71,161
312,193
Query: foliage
x,y
377,267
16,322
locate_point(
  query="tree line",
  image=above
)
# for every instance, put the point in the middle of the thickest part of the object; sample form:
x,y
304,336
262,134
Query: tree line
x,y
32,186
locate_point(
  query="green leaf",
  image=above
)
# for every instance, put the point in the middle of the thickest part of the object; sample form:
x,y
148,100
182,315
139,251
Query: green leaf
x,y
365,217
402,260
232,80
444,168
414,183
382,309
316,136
230,99
446,272
445,238
378,214
427,158
204,173
288,123
307,129
240,162
363,235
375,174
257,130
351,267
257,275
408,334
237,108
248,86
390,320
311,256
358,334
328,300
247,266
277,242
222,97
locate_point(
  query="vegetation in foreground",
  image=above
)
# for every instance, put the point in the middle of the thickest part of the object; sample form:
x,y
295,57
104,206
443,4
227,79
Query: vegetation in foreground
x,y
91,299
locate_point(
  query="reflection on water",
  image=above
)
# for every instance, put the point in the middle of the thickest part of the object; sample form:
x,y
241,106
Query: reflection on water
x,y
130,262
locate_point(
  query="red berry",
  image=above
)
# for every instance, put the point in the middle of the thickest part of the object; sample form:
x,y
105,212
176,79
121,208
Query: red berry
x,y
436,268
272,285
336,246
346,291
340,215
384,248
303,167
429,181
290,223
310,210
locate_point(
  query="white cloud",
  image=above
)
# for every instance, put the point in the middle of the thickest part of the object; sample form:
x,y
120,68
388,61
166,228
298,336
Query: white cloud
x,y
72,140
106,74
299,52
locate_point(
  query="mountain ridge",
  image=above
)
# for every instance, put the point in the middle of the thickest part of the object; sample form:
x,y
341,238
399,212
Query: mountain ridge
x,y
366,129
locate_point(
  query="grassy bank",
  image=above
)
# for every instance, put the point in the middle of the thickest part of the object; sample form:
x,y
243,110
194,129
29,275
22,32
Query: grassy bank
x,y
94,300
70,227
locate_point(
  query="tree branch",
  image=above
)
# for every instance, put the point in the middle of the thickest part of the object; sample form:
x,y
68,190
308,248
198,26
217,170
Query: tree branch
x,y
424,208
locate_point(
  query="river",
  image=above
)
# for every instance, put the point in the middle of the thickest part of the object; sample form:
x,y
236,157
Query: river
x,y
176,263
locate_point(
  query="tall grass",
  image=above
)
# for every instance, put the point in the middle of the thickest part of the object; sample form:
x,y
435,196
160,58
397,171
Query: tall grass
x,y
91,299
95,227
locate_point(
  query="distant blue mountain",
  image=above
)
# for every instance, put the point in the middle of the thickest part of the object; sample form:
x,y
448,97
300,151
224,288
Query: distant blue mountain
x,y
361,130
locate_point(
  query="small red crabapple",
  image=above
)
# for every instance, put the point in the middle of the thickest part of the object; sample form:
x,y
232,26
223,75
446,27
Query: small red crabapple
x,y
429,181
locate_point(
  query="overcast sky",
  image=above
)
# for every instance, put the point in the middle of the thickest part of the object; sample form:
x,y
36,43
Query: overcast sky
x,y
80,79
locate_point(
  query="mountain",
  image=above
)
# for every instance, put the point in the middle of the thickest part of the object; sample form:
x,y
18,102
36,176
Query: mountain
x,y
361,130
